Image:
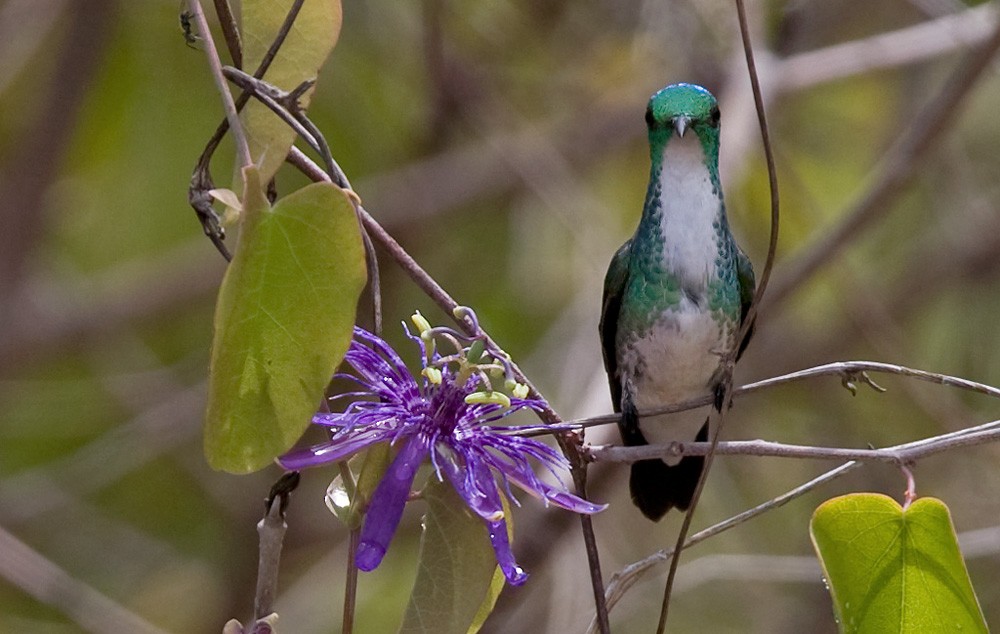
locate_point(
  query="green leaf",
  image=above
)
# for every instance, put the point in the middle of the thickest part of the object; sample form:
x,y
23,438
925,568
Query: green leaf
x,y
894,570
283,321
499,580
456,576
300,58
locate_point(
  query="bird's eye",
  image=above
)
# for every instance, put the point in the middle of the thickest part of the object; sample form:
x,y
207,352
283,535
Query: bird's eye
x,y
650,119
713,117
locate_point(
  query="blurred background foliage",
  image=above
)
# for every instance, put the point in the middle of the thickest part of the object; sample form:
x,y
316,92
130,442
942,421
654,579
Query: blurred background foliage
x,y
503,144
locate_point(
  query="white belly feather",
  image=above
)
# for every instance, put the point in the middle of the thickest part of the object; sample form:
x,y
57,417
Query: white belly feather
x,y
675,362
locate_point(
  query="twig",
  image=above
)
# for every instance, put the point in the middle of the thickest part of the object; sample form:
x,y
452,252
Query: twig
x,y
274,98
230,31
201,179
849,371
852,370
898,166
623,580
351,583
900,455
285,105
232,115
724,397
271,530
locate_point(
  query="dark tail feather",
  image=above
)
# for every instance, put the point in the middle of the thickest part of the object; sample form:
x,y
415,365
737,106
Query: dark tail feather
x,y
656,487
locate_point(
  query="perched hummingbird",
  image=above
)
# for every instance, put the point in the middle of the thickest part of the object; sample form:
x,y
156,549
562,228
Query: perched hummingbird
x,y
675,296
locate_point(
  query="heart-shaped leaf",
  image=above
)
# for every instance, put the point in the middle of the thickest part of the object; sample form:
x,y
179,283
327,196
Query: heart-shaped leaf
x,y
894,570
283,321
457,584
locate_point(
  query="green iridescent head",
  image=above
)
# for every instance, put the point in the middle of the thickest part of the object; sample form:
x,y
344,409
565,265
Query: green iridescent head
x,y
682,107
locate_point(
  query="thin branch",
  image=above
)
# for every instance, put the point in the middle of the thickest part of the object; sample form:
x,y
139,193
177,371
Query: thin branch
x,y
230,31
351,583
904,454
271,530
897,169
623,580
853,370
232,116
848,371
724,397
899,454
201,179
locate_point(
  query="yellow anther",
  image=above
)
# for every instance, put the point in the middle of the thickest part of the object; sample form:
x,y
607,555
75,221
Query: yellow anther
x,y
420,322
433,375
488,398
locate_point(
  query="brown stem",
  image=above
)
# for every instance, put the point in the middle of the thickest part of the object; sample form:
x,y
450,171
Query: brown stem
x,y
230,31
351,584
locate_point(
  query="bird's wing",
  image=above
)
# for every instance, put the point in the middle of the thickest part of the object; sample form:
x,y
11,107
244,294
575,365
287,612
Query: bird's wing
x,y
614,287
748,284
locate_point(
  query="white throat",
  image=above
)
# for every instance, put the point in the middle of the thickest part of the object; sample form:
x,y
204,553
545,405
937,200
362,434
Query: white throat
x,y
690,206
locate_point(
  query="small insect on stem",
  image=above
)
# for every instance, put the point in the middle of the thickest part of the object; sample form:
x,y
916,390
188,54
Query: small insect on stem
x,y
188,28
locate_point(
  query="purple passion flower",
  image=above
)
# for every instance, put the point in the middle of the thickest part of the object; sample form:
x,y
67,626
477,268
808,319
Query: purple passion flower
x,y
443,418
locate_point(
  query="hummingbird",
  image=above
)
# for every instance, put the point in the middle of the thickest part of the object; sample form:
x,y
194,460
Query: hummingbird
x,y
675,297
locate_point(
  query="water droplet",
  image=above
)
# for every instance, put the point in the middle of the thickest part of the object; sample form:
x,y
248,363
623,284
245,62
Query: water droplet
x,y
337,499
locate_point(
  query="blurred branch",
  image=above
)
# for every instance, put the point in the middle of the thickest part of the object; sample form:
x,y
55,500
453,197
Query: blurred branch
x,y
52,318
749,568
898,167
39,577
29,169
119,451
926,40
25,26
